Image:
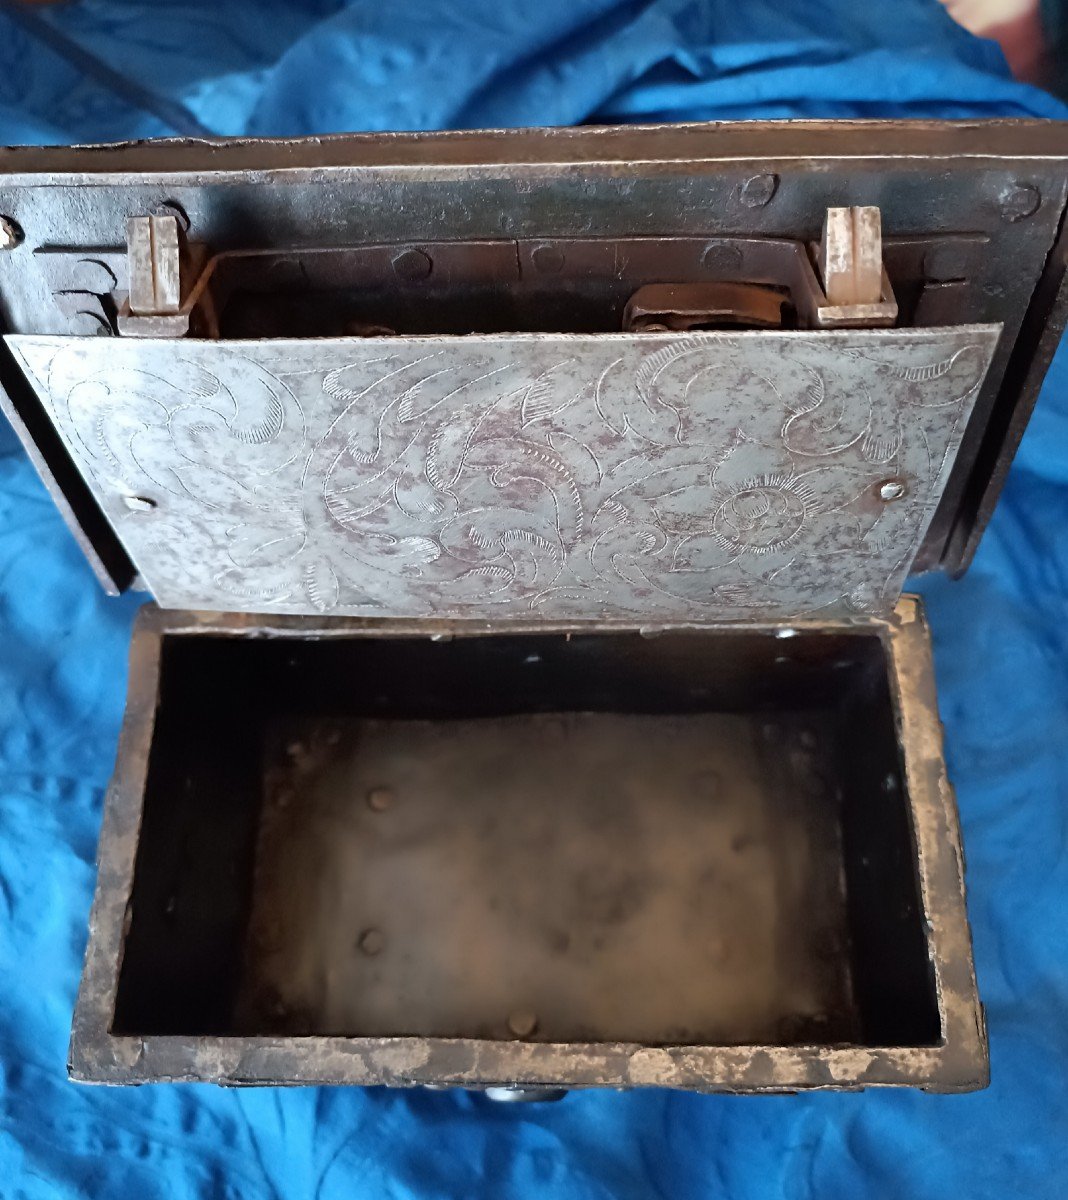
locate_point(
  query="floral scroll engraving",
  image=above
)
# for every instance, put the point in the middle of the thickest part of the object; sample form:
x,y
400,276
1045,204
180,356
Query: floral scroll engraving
x,y
654,476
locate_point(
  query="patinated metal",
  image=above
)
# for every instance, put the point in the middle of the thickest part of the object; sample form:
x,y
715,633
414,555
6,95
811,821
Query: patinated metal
x,y
697,477
399,427
954,1060
932,180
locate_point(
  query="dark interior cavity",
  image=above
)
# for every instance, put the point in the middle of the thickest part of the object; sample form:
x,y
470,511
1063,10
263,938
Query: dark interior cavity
x,y
694,837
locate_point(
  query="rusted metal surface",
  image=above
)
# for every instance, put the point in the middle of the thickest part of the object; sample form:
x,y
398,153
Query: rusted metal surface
x,y
954,1060
664,925
683,307
1038,341
694,476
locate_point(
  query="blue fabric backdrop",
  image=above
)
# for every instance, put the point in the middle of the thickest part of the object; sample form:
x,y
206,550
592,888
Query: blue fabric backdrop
x,y
1001,641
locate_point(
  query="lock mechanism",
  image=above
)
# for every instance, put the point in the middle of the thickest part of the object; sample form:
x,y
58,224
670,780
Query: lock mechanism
x,y
175,287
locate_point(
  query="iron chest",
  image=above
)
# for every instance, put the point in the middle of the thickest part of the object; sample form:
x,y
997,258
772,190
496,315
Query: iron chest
x,y
529,700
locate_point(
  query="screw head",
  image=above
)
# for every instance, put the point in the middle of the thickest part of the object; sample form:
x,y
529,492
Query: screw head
x,y
891,489
1019,201
413,265
11,234
758,191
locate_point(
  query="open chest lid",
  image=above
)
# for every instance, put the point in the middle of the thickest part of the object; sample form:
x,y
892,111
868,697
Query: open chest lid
x,y
573,374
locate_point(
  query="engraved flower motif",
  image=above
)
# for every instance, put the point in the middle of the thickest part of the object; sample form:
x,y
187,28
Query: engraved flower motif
x,y
763,514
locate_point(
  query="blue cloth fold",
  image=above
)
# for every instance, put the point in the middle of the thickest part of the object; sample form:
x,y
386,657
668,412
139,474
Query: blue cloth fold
x,y
1001,642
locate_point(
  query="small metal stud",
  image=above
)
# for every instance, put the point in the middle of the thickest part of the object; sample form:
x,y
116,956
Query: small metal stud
x,y
722,259
522,1023
758,191
1019,201
413,265
371,942
548,260
892,489
379,799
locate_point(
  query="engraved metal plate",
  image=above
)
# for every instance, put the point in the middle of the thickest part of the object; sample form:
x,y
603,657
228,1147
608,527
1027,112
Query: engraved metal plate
x,y
694,477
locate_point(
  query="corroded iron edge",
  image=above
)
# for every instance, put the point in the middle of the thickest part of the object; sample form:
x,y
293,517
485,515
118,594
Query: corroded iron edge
x,y
958,1063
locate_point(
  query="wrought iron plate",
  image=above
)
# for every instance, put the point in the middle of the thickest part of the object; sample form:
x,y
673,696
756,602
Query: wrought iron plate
x,y
696,477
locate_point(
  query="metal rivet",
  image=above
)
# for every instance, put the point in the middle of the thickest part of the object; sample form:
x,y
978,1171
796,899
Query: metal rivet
x,y
139,503
549,260
413,265
890,783
786,632
1019,201
522,1023
171,208
756,192
892,489
379,799
11,234
723,259
371,942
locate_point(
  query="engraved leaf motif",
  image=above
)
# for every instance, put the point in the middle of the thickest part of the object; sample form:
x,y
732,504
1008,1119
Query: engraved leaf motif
x,y
880,449
545,396
321,585
537,399
269,425
258,545
418,549
926,372
580,476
